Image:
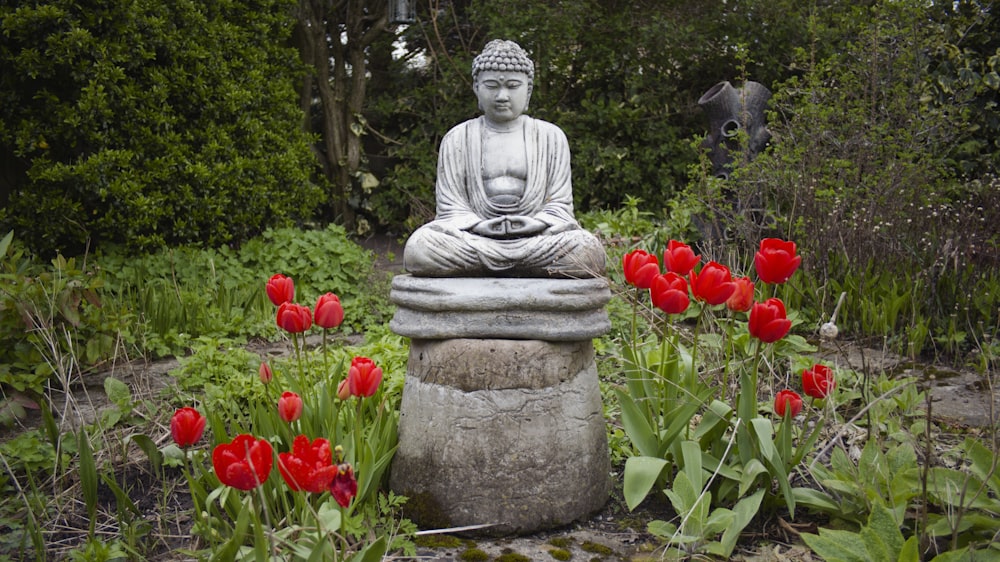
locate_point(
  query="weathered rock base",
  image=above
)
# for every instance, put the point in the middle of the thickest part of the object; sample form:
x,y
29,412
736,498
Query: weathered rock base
x,y
508,433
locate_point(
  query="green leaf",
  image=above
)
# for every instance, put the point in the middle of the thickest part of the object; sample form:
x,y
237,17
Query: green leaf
x,y
762,430
910,551
149,447
371,553
640,475
691,455
5,243
118,393
743,512
984,463
837,546
882,537
815,499
751,471
661,529
636,426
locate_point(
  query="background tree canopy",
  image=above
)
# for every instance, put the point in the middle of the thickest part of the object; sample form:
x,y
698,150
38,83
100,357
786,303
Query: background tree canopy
x,y
148,123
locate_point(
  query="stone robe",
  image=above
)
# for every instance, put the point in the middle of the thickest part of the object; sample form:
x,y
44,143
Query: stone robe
x,y
445,246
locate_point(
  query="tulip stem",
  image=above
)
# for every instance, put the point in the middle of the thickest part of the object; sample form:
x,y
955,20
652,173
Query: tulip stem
x,y
665,399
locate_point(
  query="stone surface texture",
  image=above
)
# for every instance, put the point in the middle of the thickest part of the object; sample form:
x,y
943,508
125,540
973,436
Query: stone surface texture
x,y
508,433
501,422
488,307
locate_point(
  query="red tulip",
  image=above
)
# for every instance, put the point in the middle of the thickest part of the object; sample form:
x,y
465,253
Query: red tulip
x,y
328,312
818,382
280,289
243,464
669,293
742,298
768,322
186,426
294,318
309,466
640,267
776,260
344,486
679,258
713,285
363,377
787,400
265,373
289,407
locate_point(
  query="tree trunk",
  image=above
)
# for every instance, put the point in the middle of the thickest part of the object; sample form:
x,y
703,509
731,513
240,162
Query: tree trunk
x,y
333,38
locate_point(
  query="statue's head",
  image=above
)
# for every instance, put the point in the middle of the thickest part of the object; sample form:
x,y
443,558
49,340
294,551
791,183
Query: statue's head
x,y
503,63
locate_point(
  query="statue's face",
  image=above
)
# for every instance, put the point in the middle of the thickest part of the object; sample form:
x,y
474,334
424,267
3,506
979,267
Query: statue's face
x,y
503,96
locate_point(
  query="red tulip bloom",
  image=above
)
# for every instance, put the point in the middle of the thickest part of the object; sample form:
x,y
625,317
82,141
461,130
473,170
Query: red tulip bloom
x,y
344,486
787,401
776,260
640,267
768,322
328,312
186,426
818,382
243,464
294,318
363,377
713,285
742,298
669,293
265,373
289,407
679,258
309,466
280,289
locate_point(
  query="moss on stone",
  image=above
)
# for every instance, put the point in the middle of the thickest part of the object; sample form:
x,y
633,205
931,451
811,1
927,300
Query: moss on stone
x,y
473,555
561,542
596,548
560,554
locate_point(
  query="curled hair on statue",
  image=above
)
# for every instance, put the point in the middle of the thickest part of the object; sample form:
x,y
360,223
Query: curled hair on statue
x,y
503,56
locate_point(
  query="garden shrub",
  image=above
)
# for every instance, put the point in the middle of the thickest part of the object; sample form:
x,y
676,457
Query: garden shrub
x,y
146,123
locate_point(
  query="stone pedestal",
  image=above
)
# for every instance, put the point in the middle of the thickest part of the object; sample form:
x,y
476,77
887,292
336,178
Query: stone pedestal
x,y
501,421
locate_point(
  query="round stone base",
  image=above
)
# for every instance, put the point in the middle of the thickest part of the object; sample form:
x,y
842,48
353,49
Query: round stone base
x,y
507,433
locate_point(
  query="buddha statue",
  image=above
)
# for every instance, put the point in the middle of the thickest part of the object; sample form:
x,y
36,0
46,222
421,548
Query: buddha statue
x,y
504,191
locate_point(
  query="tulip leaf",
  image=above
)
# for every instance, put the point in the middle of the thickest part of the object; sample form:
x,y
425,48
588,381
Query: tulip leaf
x,y
637,427
640,475
152,452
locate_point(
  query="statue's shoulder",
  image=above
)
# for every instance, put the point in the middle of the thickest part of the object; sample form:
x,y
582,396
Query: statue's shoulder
x,y
461,129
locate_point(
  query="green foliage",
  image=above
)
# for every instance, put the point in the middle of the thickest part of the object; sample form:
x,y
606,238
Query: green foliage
x,y
879,539
147,123
47,313
889,479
